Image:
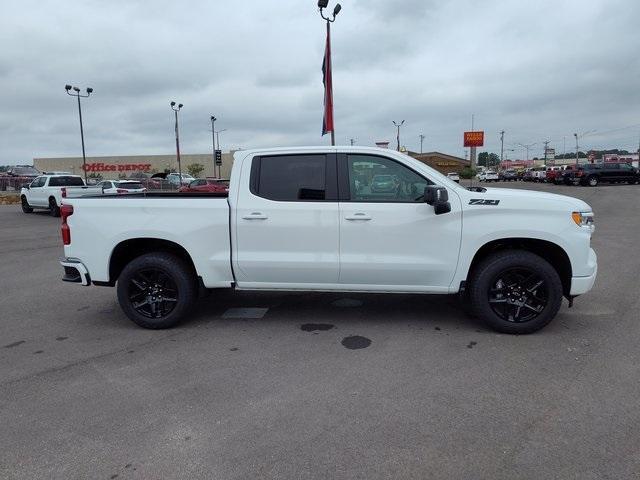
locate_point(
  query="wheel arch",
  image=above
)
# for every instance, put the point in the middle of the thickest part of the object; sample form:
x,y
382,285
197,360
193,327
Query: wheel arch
x,y
130,249
551,252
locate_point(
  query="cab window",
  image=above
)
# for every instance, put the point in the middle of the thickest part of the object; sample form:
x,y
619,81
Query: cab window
x,y
379,179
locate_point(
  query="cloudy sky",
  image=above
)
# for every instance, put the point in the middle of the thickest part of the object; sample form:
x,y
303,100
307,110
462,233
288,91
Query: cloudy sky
x,y
540,70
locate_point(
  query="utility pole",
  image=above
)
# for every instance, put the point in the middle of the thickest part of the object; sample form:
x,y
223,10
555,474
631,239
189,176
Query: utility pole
x,y
577,148
546,147
398,125
422,137
472,150
501,146
175,111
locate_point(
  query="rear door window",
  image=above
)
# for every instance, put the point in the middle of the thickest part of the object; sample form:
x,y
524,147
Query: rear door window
x,y
290,178
66,182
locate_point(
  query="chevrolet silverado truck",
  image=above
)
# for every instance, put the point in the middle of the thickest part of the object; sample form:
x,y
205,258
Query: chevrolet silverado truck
x,y
47,191
311,219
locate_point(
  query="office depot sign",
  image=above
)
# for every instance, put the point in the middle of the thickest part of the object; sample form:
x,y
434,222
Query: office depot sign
x,y
117,167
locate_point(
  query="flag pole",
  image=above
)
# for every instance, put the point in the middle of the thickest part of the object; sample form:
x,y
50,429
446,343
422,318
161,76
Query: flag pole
x,y
333,127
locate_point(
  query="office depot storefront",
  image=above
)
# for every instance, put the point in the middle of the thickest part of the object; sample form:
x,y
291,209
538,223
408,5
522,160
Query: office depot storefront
x,y
125,166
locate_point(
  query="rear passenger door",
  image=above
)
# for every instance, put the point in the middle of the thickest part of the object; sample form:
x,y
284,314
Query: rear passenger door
x,y
286,222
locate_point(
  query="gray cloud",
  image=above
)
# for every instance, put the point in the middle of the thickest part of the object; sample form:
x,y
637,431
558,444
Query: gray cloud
x,y
539,70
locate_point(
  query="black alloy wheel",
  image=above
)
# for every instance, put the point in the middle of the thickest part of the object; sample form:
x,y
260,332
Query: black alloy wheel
x,y
157,290
518,295
152,293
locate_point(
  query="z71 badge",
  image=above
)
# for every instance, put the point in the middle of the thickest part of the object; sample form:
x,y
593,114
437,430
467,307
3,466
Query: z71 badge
x,y
481,201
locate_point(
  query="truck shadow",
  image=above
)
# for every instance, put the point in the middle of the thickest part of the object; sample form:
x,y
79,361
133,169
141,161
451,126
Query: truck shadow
x,y
228,306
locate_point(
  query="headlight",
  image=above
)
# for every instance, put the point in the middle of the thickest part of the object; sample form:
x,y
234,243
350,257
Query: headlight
x,y
583,219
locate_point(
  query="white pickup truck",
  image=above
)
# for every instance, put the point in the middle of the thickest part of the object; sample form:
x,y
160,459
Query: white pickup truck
x,y
308,219
46,191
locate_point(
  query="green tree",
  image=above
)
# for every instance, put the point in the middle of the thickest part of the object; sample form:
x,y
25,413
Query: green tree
x,y
483,158
195,169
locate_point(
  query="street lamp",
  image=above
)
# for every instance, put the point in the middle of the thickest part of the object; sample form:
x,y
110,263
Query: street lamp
x,y
328,124
398,125
79,95
175,111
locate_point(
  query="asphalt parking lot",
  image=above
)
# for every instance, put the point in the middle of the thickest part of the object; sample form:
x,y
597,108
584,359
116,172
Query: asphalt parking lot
x,y
424,393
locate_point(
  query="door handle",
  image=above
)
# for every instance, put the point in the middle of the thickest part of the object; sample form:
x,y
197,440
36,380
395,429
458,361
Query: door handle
x,y
255,216
358,216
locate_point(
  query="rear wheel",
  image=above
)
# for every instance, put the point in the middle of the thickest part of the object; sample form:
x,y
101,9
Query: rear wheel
x,y
26,208
54,209
592,181
515,292
157,290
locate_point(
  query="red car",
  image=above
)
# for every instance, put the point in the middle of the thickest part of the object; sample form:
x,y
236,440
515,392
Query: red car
x,y
207,185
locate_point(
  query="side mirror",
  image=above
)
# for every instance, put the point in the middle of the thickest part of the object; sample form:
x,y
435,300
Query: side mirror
x,y
438,197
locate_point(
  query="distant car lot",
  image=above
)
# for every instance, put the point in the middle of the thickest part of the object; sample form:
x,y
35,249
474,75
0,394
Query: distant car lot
x,y
273,385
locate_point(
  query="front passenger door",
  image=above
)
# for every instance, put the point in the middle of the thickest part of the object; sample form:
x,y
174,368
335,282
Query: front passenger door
x,y
390,239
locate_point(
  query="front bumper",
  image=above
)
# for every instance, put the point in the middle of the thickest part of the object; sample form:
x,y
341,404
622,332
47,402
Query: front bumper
x,y
580,285
75,271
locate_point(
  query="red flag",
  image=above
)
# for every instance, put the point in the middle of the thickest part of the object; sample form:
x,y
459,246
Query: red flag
x,y
327,80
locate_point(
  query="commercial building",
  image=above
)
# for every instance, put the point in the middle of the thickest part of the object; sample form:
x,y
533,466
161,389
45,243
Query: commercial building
x,y
441,162
123,166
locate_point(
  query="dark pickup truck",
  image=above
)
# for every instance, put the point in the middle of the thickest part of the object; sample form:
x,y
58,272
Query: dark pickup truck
x,y
592,174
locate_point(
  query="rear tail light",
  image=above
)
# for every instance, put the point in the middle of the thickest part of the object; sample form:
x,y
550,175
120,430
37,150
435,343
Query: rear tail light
x,y
65,212
64,192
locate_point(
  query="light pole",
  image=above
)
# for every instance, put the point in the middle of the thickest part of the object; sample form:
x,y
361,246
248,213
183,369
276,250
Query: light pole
x,y
328,125
398,125
576,135
213,139
501,145
422,137
218,148
175,111
527,147
78,95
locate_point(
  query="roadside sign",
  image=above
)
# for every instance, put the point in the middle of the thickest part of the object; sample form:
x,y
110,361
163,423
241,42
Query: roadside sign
x,y
474,139
218,157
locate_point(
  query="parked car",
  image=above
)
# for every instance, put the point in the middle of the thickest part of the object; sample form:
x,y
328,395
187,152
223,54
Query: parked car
x,y
294,220
552,173
592,174
46,191
18,176
23,171
174,179
508,175
207,185
565,176
487,176
455,176
121,186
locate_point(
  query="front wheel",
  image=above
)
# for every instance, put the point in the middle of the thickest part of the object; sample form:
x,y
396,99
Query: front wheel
x,y
26,208
592,181
157,290
515,292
